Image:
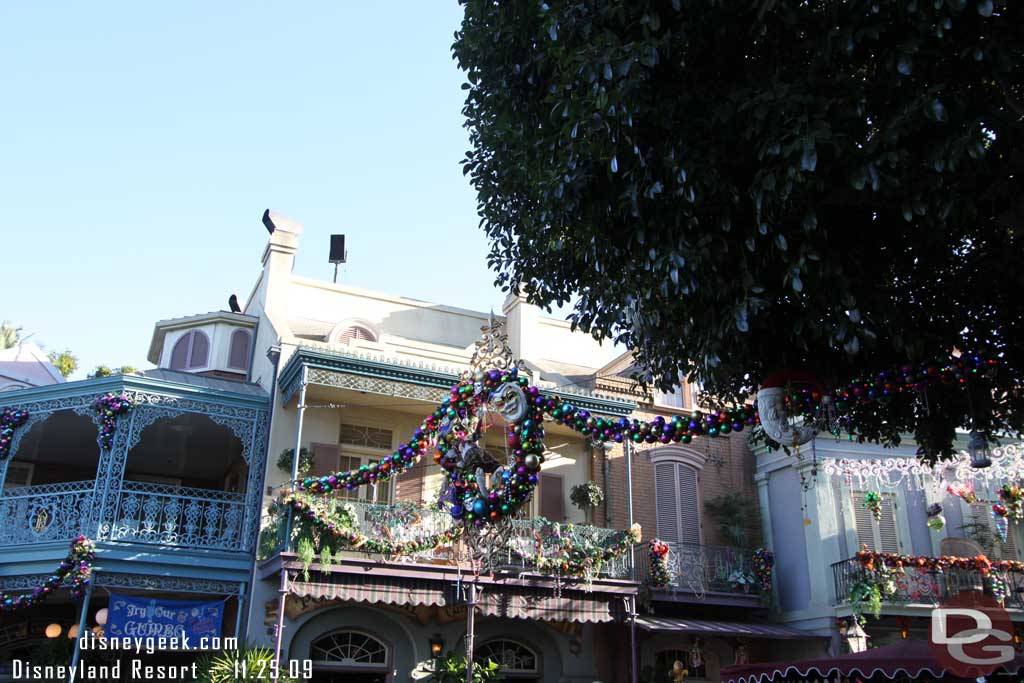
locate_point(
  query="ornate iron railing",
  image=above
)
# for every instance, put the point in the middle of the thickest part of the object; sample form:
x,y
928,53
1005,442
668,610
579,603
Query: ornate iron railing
x,y
927,586
177,515
46,512
699,569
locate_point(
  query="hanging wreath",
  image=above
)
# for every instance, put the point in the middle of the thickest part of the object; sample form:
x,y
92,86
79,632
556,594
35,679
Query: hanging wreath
x,y
657,553
10,419
77,567
110,407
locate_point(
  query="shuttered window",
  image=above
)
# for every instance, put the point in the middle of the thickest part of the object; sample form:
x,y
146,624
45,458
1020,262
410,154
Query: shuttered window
x,y
878,536
238,353
677,503
552,498
984,528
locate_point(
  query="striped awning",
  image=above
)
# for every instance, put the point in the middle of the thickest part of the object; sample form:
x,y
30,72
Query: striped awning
x,y
382,590
721,628
516,603
494,600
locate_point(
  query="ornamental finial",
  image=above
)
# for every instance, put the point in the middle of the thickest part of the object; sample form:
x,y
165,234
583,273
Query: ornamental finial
x,y
492,351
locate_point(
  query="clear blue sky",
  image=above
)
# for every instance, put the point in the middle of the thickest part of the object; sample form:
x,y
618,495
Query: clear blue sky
x,y
141,143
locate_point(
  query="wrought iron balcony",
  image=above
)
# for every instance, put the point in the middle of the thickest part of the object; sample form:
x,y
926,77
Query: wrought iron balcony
x,y
915,586
701,569
403,522
148,513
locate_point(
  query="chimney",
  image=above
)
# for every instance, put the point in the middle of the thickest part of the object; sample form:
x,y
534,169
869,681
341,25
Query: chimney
x,y
522,324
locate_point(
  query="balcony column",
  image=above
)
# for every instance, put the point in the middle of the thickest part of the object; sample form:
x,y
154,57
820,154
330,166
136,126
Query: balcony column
x,y
822,528
761,479
300,409
110,475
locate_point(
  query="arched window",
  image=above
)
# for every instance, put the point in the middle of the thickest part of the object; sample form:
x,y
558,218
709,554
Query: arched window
x,y
356,332
515,659
349,649
238,354
191,351
676,502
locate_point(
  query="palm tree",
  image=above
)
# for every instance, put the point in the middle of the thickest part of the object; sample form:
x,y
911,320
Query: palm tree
x,y
9,335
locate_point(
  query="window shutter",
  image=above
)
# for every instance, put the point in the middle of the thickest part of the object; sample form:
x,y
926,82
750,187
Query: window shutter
x,y
552,501
888,540
689,505
325,459
179,354
981,519
880,536
200,350
238,354
666,501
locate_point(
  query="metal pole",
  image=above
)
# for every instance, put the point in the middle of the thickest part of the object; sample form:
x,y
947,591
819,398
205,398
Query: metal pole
x,y
283,593
76,655
300,412
631,603
627,452
238,616
470,627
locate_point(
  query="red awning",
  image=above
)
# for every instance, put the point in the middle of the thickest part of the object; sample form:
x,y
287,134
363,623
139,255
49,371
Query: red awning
x,y
911,658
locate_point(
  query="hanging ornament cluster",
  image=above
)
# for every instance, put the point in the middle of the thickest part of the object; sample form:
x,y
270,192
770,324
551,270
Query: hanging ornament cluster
x,y
905,379
963,489
936,521
764,561
76,567
995,585
657,554
1002,524
110,407
10,419
1012,496
873,502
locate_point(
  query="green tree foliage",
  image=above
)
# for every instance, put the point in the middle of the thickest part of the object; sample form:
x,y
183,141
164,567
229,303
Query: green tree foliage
x,y
10,335
732,188
452,669
65,361
107,371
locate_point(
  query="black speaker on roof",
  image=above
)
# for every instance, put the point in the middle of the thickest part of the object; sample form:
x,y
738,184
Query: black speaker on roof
x,y
338,254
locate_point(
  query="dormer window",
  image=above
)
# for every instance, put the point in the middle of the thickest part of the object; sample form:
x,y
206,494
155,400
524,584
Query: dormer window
x,y
191,351
238,353
356,332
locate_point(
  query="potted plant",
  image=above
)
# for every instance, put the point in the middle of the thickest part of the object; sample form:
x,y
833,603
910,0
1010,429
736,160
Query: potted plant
x,y
586,497
742,579
452,669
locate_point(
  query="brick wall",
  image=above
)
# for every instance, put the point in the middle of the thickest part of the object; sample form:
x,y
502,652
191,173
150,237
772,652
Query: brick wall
x,y
728,466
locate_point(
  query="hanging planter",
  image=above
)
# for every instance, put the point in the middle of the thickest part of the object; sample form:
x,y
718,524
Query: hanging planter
x,y
873,502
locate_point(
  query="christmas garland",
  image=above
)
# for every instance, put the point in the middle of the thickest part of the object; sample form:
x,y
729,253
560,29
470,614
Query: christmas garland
x,y
657,554
10,419
872,561
356,540
897,380
444,431
764,561
77,566
110,407
577,560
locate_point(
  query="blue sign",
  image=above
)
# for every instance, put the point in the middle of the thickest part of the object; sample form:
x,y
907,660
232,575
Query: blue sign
x,y
150,618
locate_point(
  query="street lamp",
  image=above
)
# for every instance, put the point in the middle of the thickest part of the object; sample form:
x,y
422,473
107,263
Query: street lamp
x,y
977,448
855,636
436,646
53,630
